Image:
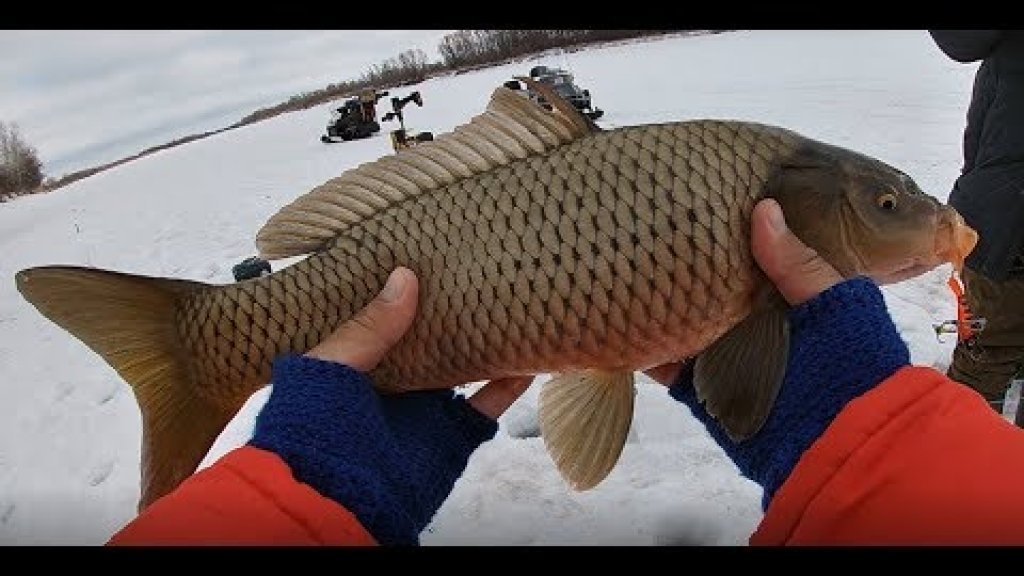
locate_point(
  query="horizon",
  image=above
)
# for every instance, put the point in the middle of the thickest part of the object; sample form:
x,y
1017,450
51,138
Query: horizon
x,y
93,97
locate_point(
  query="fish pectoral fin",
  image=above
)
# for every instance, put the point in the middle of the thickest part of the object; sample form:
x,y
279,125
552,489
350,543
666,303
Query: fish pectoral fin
x,y
739,376
584,420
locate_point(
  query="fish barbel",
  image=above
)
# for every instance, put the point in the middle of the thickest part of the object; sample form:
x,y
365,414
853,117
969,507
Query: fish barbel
x,y
543,244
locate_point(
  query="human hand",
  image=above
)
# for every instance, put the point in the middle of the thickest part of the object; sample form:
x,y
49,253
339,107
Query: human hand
x,y
389,459
842,343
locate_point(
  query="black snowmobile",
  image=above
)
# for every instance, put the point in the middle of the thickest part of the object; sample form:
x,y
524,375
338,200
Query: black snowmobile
x,y
355,119
565,85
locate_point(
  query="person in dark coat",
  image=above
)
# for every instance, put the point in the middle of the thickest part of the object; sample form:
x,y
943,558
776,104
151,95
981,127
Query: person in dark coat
x,y
989,193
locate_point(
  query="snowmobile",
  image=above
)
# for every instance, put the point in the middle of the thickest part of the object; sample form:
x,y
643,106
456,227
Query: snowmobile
x,y
356,118
565,85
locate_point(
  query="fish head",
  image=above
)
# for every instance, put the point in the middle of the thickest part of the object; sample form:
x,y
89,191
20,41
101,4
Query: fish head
x,y
866,217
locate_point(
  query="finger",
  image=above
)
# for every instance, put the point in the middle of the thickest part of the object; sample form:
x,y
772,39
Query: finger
x,y
497,395
665,374
796,270
364,340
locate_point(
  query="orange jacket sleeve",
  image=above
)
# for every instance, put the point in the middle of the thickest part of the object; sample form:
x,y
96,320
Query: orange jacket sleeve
x,y
920,459
248,497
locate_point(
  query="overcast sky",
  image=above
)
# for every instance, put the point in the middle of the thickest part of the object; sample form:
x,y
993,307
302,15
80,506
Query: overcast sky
x,y
87,97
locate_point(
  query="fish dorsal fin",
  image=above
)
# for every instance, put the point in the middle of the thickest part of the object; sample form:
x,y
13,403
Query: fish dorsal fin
x,y
739,376
511,128
584,420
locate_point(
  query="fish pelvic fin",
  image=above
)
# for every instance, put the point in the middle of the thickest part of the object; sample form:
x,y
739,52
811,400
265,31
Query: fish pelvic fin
x,y
130,322
739,376
584,420
511,128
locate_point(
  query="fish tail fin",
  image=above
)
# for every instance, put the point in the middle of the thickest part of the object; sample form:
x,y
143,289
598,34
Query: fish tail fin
x,y
130,321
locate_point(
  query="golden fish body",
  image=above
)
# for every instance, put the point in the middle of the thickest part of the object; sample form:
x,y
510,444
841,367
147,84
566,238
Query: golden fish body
x,y
542,245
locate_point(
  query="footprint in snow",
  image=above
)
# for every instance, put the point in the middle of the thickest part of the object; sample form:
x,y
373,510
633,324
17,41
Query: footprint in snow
x,y
100,473
64,389
111,391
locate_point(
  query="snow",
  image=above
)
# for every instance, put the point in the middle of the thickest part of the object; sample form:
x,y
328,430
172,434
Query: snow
x,y
70,427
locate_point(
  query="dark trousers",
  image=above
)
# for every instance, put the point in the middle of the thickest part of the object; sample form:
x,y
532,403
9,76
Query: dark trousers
x,y
989,362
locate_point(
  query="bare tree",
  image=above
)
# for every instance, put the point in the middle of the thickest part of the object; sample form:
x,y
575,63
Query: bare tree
x,y
21,171
414,62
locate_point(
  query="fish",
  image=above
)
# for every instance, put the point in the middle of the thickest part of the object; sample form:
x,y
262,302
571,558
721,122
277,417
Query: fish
x,y
543,244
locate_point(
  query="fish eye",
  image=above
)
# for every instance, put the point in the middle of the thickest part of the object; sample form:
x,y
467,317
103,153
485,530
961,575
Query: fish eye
x,y
887,201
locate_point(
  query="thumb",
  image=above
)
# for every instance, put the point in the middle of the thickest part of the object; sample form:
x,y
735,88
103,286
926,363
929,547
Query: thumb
x,y
796,270
364,340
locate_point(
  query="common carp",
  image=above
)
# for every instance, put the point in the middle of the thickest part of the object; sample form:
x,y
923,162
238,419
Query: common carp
x,y
543,244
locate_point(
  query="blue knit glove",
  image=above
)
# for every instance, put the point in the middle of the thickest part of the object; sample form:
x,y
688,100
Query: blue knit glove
x,y
842,344
391,460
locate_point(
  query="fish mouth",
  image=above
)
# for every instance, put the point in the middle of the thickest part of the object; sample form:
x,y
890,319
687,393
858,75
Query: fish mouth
x,y
954,240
